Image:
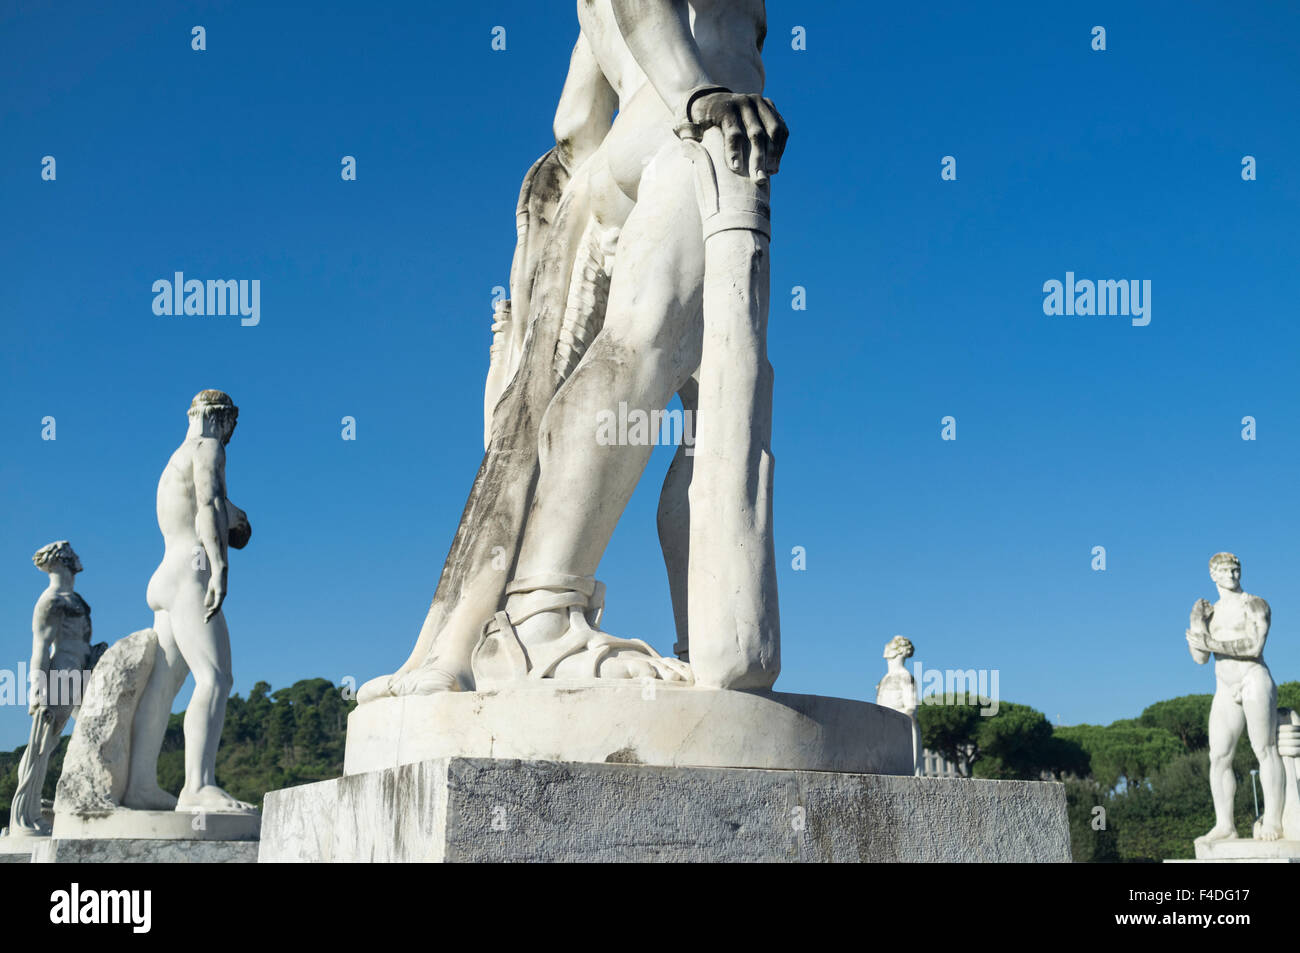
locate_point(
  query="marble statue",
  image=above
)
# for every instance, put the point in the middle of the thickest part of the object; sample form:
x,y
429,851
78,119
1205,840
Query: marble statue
x,y
62,657
640,273
1234,630
897,690
112,760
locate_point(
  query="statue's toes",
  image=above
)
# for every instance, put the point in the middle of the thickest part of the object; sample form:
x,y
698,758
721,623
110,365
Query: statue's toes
x,y
375,688
627,666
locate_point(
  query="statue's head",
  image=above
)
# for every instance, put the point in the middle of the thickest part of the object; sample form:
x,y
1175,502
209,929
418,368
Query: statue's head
x,y
217,410
1225,570
56,554
899,646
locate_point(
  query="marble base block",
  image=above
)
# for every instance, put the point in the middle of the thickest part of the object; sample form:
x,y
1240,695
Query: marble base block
x,y
473,810
1244,850
151,837
632,723
135,850
17,848
159,825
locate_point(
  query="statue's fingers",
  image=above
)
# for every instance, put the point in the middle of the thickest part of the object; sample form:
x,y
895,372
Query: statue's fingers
x,y
776,130
759,143
733,138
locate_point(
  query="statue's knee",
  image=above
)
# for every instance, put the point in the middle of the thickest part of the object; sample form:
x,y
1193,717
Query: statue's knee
x,y
1264,752
218,683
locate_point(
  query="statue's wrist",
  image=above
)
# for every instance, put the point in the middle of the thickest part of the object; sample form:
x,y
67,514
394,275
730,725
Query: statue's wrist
x,y
683,124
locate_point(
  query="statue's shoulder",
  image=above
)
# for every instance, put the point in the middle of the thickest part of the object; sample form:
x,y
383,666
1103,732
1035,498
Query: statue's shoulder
x,y
1257,605
207,450
70,603
47,601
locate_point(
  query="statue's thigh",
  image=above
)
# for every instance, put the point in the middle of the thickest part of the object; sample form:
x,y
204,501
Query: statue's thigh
x,y
656,291
1226,721
1259,704
203,646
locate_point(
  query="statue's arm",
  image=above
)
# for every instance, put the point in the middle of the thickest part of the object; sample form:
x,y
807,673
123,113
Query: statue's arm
x,y
658,33
211,520
586,109
45,627
1252,644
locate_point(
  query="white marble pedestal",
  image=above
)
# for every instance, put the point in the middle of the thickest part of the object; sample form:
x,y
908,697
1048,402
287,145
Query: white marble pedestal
x,y
478,809
17,848
632,723
151,837
1244,850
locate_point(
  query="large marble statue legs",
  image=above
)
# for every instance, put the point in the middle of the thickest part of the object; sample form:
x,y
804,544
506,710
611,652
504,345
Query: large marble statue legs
x,y
646,350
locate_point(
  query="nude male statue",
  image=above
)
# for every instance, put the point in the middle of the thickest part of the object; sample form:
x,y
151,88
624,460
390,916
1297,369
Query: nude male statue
x,y
186,593
629,232
61,659
1234,629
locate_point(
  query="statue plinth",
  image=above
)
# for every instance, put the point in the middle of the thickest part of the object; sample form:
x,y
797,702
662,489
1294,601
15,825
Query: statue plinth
x,y
648,772
17,848
1248,850
473,810
1243,850
649,723
127,836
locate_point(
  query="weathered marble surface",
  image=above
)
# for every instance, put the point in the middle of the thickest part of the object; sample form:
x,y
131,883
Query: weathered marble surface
x,y
159,825
17,848
473,810
651,723
144,851
96,766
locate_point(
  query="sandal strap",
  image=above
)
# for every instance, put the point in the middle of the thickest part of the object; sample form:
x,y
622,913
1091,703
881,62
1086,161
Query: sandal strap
x,y
508,642
554,580
548,602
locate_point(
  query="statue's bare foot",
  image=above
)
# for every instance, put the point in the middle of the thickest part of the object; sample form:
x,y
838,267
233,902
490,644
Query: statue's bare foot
x,y
144,798
425,680
381,687
551,635
1219,832
212,799
1268,828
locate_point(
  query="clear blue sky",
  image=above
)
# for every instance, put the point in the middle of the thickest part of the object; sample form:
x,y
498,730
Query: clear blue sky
x,y
924,300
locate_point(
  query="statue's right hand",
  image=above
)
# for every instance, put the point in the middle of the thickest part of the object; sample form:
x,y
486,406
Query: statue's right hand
x,y
750,126
1201,613
215,597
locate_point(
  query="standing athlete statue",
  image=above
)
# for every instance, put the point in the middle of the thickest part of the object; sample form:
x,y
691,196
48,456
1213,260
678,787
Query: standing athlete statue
x,y
1234,630
186,594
